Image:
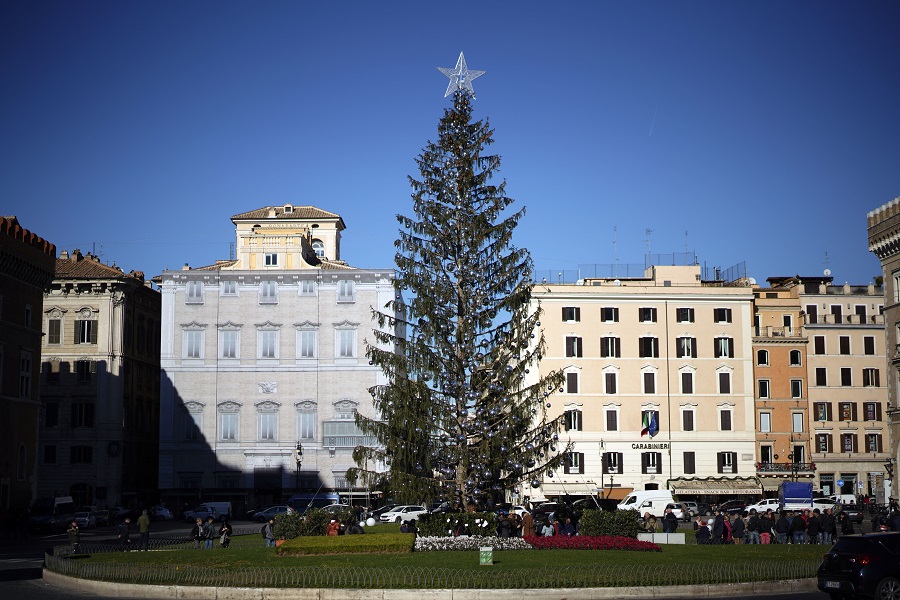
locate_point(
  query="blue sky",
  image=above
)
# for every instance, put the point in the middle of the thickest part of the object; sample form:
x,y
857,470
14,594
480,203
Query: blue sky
x,y
745,131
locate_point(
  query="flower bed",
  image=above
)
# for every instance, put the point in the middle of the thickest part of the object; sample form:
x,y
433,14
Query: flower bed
x,y
468,542
590,542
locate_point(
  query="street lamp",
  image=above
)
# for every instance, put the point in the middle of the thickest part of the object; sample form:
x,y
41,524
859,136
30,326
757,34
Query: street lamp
x,y
298,456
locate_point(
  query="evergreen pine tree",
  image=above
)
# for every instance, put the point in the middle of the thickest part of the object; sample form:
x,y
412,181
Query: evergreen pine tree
x,y
461,418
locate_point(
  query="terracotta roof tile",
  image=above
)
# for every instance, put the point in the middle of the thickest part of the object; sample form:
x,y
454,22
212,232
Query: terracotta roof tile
x,y
300,212
88,268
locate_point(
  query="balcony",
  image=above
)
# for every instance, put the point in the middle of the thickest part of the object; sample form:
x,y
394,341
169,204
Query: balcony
x,y
849,319
780,332
785,468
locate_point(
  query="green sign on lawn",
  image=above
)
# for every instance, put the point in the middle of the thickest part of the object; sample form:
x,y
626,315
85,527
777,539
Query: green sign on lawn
x,y
487,556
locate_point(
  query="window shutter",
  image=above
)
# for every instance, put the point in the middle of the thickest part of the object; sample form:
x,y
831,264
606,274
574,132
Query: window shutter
x,y
855,442
828,414
611,424
877,378
578,425
564,310
577,313
853,411
605,464
731,347
734,462
720,460
689,463
644,461
878,411
581,462
618,347
77,332
94,328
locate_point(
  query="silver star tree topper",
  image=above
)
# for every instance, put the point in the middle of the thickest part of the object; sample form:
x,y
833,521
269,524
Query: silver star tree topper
x,y
460,77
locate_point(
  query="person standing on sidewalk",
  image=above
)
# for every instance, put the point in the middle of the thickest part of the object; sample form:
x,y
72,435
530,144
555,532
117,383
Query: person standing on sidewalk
x,y
75,537
209,532
144,529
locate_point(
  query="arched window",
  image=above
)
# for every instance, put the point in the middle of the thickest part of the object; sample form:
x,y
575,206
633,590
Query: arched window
x,y
762,357
318,247
795,358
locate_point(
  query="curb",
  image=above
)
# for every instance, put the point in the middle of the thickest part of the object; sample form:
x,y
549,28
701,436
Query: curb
x,y
131,590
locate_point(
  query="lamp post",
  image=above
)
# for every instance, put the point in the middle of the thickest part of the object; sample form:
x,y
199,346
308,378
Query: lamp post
x,y
298,457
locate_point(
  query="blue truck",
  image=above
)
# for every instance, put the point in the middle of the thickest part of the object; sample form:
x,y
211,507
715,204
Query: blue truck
x,y
795,495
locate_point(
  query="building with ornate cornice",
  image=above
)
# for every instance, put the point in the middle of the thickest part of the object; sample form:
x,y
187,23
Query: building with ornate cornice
x,y
99,384
263,354
26,269
884,242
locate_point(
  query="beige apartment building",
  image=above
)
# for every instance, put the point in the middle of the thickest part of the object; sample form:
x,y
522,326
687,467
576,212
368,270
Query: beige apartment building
x,y
263,355
667,352
884,242
99,425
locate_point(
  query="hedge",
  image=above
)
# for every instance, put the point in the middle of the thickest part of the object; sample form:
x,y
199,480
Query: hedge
x,y
373,543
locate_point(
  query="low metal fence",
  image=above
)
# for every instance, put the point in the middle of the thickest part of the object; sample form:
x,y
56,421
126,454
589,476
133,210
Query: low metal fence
x,y
599,575
175,540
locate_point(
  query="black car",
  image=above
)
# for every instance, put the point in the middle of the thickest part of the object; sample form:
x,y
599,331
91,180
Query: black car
x,y
856,513
865,565
732,507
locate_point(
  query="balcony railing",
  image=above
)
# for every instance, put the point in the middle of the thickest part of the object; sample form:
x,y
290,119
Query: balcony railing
x,y
850,319
786,467
784,331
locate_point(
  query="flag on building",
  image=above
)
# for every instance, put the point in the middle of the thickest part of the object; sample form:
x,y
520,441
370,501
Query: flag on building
x,y
654,426
646,422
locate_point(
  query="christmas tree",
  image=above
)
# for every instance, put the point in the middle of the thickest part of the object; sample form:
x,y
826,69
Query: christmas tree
x,y
460,421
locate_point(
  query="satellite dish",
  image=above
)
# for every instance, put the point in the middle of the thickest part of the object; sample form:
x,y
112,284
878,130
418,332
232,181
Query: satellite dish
x,y
752,281
827,272
617,282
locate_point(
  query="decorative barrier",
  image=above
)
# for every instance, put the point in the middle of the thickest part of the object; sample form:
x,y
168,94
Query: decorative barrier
x,y
662,538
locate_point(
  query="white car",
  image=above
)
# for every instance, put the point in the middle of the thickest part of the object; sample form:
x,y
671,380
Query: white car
x,y
762,506
407,512
823,503
161,513
85,519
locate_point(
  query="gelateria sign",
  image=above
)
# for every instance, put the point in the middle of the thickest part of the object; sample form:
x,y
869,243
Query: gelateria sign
x,y
650,446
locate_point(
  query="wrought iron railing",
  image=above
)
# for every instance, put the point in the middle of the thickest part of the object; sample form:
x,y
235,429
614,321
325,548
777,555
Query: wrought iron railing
x,y
785,467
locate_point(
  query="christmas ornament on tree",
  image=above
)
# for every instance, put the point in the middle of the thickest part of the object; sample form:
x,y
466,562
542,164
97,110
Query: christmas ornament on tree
x,y
458,420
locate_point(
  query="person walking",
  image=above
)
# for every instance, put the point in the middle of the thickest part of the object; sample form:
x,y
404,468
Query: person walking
x,y
782,527
718,529
828,527
75,537
766,523
814,528
124,530
753,527
197,533
209,532
527,525
670,522
225,533
144,529
738,529
270,533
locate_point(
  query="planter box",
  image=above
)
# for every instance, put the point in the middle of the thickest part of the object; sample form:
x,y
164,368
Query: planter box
x,y
662,538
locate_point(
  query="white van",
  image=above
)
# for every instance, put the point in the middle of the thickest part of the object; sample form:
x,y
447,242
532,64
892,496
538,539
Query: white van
x,y
652,501
843,499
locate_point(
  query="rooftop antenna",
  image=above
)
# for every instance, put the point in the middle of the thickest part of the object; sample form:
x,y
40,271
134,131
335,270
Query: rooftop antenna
x,y
827,267
685,241
647,259
616,250
231,251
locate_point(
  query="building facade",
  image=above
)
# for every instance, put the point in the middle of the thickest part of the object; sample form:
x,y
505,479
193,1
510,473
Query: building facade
x,y
263,355
884,242
99,384
659,384
26,269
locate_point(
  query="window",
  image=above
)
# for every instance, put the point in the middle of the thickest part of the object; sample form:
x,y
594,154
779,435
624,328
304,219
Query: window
x,y
797,422
229,288
762,357
85,331
819,344
796,388
82,414
307,287
844,344
610,381
609,314
574,462
766,454
346,343
268,343
724,347
573,420
571,383
649,382
648,347
85,370
25,374
268,292
724,382
846,377
823,442
306,425
686,347
192,424
54,327
306,343
268,422
869,345
687,382
193,343
571,313
821,376
690,463
229,426
763,387
837,313
51,414
50,454
229,343
610,347
612,462
727,462
687,419
822,411
725,419
318,247
871,378
722,315
873,442
651,462
193,292
765,422
81,455
271,259
346,291
872,411
795,358
647,314
573,347
848,442
612,419
684,315
847,411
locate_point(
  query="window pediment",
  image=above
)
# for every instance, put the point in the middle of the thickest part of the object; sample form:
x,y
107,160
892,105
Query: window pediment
x,y
306,405
193,406
193,325
307,325
268,325
267,406
229,406
55,312
346,325
230,325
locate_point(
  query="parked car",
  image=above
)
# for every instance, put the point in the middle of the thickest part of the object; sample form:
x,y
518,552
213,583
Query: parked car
x,y
545,512
272,512
439,507
686,513
692,508
161,513
704,509
336,508
85,519
403,513
376,513
862,566
762,506
732,507
823,503
677,510
118,513
856,513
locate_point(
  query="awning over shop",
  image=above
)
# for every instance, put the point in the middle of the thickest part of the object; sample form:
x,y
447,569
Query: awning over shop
x,y
716,485
616,493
